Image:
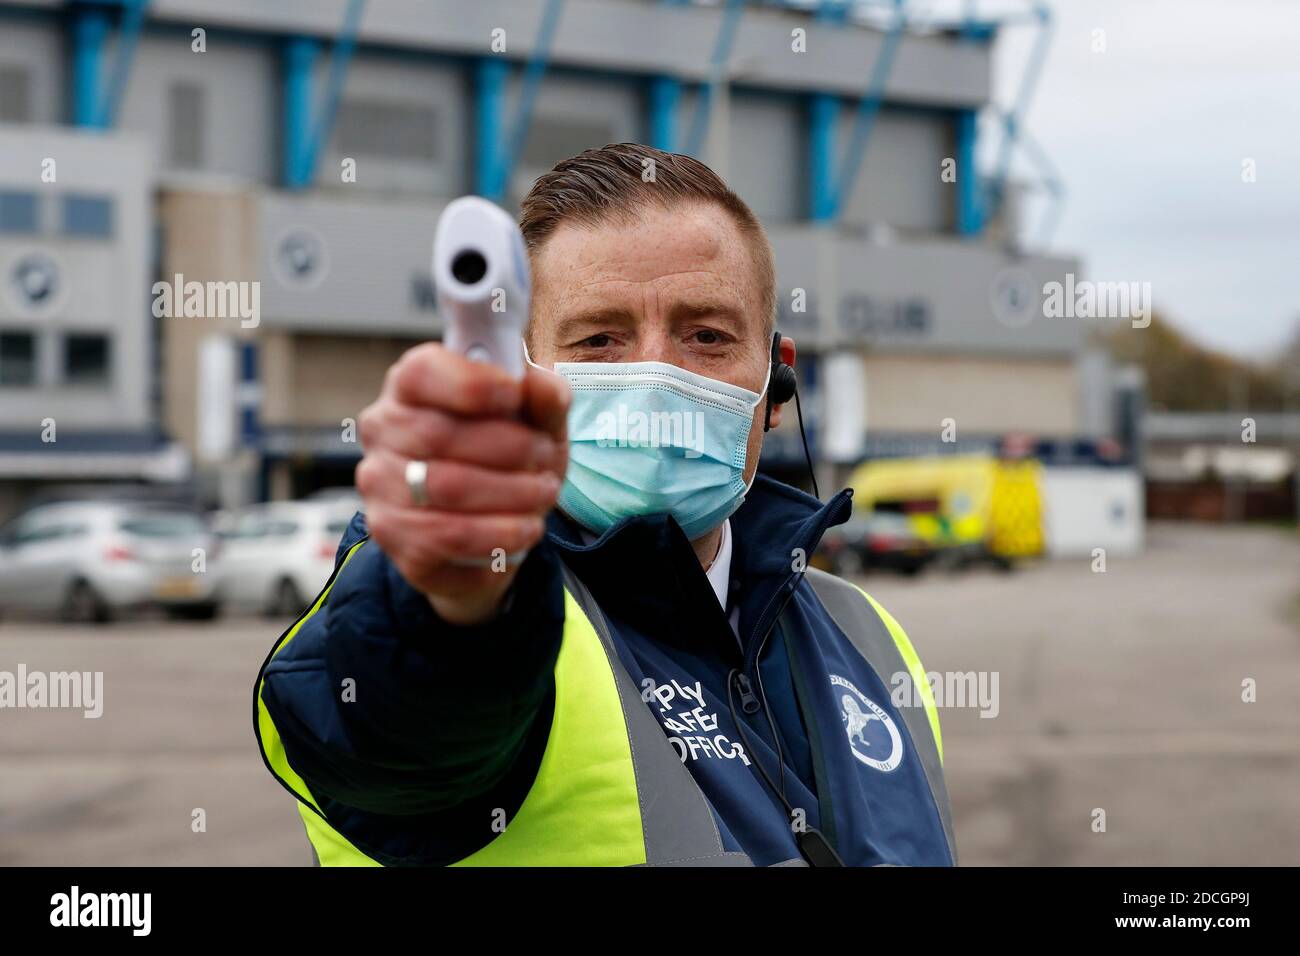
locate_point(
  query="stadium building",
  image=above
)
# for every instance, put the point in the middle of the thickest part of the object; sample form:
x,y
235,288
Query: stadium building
x,y
291,159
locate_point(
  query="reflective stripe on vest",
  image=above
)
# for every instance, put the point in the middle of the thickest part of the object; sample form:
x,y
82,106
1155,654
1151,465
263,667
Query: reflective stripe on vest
x,y
610,789
881,640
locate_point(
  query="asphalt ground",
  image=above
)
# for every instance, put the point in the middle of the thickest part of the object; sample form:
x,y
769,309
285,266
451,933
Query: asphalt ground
x,y
1118,692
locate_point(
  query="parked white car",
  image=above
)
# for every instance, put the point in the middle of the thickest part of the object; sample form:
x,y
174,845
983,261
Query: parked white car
x,y
89,560
277,557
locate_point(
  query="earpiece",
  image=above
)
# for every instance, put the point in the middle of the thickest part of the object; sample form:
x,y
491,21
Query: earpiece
x,y
781,386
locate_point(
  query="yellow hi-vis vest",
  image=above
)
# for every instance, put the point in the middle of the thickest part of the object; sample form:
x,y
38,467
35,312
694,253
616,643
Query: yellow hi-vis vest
x,y
610,789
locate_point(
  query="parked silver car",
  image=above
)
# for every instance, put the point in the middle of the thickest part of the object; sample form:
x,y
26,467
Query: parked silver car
x,y
88,560
276,557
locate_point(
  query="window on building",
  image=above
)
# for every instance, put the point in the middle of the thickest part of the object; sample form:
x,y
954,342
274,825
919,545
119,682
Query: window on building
x,y
17,212
185,119
17,359
85,359
15,95
88,216
401,131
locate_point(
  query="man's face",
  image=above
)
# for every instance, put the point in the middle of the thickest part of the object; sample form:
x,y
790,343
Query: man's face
x,y
678,286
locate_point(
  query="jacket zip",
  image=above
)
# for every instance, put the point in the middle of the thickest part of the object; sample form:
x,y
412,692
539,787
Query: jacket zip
x,y
813,845
752,655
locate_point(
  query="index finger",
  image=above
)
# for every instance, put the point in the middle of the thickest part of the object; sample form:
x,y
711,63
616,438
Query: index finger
x,y
546,400
433,376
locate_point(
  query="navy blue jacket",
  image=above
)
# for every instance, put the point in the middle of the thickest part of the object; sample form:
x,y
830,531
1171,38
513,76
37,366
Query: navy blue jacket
x,y
450,723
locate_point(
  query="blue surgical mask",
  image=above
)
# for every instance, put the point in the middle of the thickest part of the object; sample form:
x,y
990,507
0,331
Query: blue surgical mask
x,y
651,438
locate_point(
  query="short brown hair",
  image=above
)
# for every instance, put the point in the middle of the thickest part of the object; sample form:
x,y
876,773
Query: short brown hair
x,y
600,185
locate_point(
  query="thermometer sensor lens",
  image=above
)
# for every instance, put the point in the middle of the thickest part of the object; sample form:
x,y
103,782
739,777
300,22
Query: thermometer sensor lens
x,y
469,266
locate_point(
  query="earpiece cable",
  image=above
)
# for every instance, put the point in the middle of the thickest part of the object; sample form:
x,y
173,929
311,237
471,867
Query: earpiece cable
x,y
804,438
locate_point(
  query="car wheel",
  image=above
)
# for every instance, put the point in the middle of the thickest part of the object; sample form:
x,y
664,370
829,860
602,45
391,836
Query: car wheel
x,y
193,612
286,602
82,605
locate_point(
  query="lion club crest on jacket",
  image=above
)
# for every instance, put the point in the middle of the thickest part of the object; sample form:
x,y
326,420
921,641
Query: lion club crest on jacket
x,y
873,735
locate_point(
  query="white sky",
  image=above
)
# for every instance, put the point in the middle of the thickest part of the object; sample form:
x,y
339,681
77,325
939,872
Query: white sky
x,y
1149,137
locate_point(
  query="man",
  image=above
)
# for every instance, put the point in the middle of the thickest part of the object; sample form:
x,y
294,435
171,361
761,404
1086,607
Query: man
x,y
647,673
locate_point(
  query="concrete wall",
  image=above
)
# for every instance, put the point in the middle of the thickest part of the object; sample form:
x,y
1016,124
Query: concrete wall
x,y
310,374
405,89
208,237
100,283
931,295
768,154
237,94
320,380
370,272
928,311
227,101
898,183
907,393
641,38
33,48
573,113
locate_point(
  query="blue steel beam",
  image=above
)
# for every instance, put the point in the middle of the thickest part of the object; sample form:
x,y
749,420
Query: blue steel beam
x,y
306,131
977,202
665,102
299,60
823,115
90,30
128,36
534,73
498,148
338,74
490,74
970,218
834,12
717,68
868,109
1012,119
665,95
95,102
1051,181
970,192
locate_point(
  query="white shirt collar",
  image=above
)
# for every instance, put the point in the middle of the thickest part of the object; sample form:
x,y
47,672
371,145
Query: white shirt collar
x,y
719,573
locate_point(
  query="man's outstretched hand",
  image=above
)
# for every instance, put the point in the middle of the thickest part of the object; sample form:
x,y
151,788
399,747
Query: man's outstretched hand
x,y
496,450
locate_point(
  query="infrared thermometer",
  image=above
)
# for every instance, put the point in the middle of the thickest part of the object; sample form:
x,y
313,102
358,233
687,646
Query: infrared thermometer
x,y
480,272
